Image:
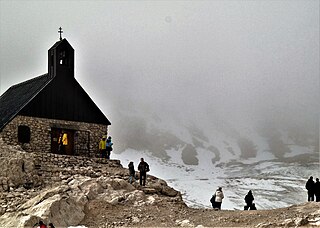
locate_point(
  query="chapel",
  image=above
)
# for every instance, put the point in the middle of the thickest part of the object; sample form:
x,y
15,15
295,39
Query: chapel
x,y
36,113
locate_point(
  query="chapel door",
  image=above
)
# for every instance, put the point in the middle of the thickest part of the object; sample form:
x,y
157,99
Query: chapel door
x,y
67,149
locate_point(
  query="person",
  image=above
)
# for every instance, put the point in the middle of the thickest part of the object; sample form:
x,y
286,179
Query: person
x,y
131,172
42,225
249,201
218,198
143,167
63,142
317,190
310,188
109,147
102,147
51,225
212,200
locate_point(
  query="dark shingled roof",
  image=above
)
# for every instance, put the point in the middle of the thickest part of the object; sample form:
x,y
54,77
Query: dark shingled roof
x,y
18,96
58,43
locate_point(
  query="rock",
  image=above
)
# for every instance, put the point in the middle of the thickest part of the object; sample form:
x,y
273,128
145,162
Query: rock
x,y
147,190
118,184
301,221
288,223
135,219
168,191
62,211
184,223
2,210
20,189
91,189
117,200
135,196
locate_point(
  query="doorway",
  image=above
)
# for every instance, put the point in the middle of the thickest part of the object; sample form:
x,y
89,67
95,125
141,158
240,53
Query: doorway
x,y
56,144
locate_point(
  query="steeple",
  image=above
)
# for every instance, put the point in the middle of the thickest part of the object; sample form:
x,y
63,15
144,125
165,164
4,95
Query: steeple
x,y
61,58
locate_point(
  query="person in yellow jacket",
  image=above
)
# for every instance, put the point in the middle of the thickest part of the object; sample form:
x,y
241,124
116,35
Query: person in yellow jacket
x,y
63,142
103,147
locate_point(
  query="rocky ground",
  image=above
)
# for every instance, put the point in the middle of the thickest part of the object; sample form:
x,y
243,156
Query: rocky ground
x,y
97,194
170,214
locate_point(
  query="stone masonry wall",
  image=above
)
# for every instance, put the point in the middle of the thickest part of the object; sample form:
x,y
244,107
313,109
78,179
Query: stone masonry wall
x,y
20,169
54,167
40,128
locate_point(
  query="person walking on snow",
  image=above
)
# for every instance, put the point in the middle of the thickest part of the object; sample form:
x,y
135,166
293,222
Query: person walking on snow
x,y
249,201
310,187
218,198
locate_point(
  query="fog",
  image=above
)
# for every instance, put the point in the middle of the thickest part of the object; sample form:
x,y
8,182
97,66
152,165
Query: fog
x,y
217,64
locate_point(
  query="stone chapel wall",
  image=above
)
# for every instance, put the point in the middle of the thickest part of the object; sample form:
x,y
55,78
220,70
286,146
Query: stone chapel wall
x,y
40,134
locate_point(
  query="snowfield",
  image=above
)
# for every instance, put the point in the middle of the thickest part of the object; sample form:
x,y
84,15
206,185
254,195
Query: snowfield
x,y
274,184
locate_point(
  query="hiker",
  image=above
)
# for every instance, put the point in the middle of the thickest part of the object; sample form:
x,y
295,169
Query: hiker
x,y
317,190
102,147
143,168
218,198
310,187
131,172
249,201
109,147
41,224
63,142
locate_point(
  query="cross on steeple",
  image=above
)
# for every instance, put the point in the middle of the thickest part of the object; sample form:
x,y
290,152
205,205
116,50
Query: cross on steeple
x,y
60,31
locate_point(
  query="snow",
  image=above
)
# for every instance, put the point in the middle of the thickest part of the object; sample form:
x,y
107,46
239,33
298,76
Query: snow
x,y
274,184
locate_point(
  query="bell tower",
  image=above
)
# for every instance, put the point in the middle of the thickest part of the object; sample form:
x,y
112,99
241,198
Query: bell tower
x,y
61,58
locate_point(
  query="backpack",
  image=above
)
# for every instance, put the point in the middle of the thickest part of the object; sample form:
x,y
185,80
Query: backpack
x,y
109,145
213,198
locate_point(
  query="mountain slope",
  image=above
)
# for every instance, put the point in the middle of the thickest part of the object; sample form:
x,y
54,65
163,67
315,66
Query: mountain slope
x,y
273,162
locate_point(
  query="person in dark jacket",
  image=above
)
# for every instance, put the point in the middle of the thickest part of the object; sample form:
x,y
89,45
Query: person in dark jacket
x,y
310,187
317,190
143,168
212,201
249,201
109,148
131,172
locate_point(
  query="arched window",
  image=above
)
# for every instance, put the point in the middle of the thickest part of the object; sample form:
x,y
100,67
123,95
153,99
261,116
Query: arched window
x,y
23,134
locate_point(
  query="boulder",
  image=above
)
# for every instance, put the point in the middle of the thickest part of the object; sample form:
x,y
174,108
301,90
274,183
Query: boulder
x,y
60,209
168,191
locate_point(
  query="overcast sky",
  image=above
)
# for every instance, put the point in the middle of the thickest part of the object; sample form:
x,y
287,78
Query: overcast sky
x,y
240,60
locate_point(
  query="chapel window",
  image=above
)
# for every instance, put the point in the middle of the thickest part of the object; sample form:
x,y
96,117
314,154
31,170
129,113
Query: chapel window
x,y
24,134
63,58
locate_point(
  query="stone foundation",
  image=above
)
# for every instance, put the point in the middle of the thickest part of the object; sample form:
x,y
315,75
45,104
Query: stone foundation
x,y
29,170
